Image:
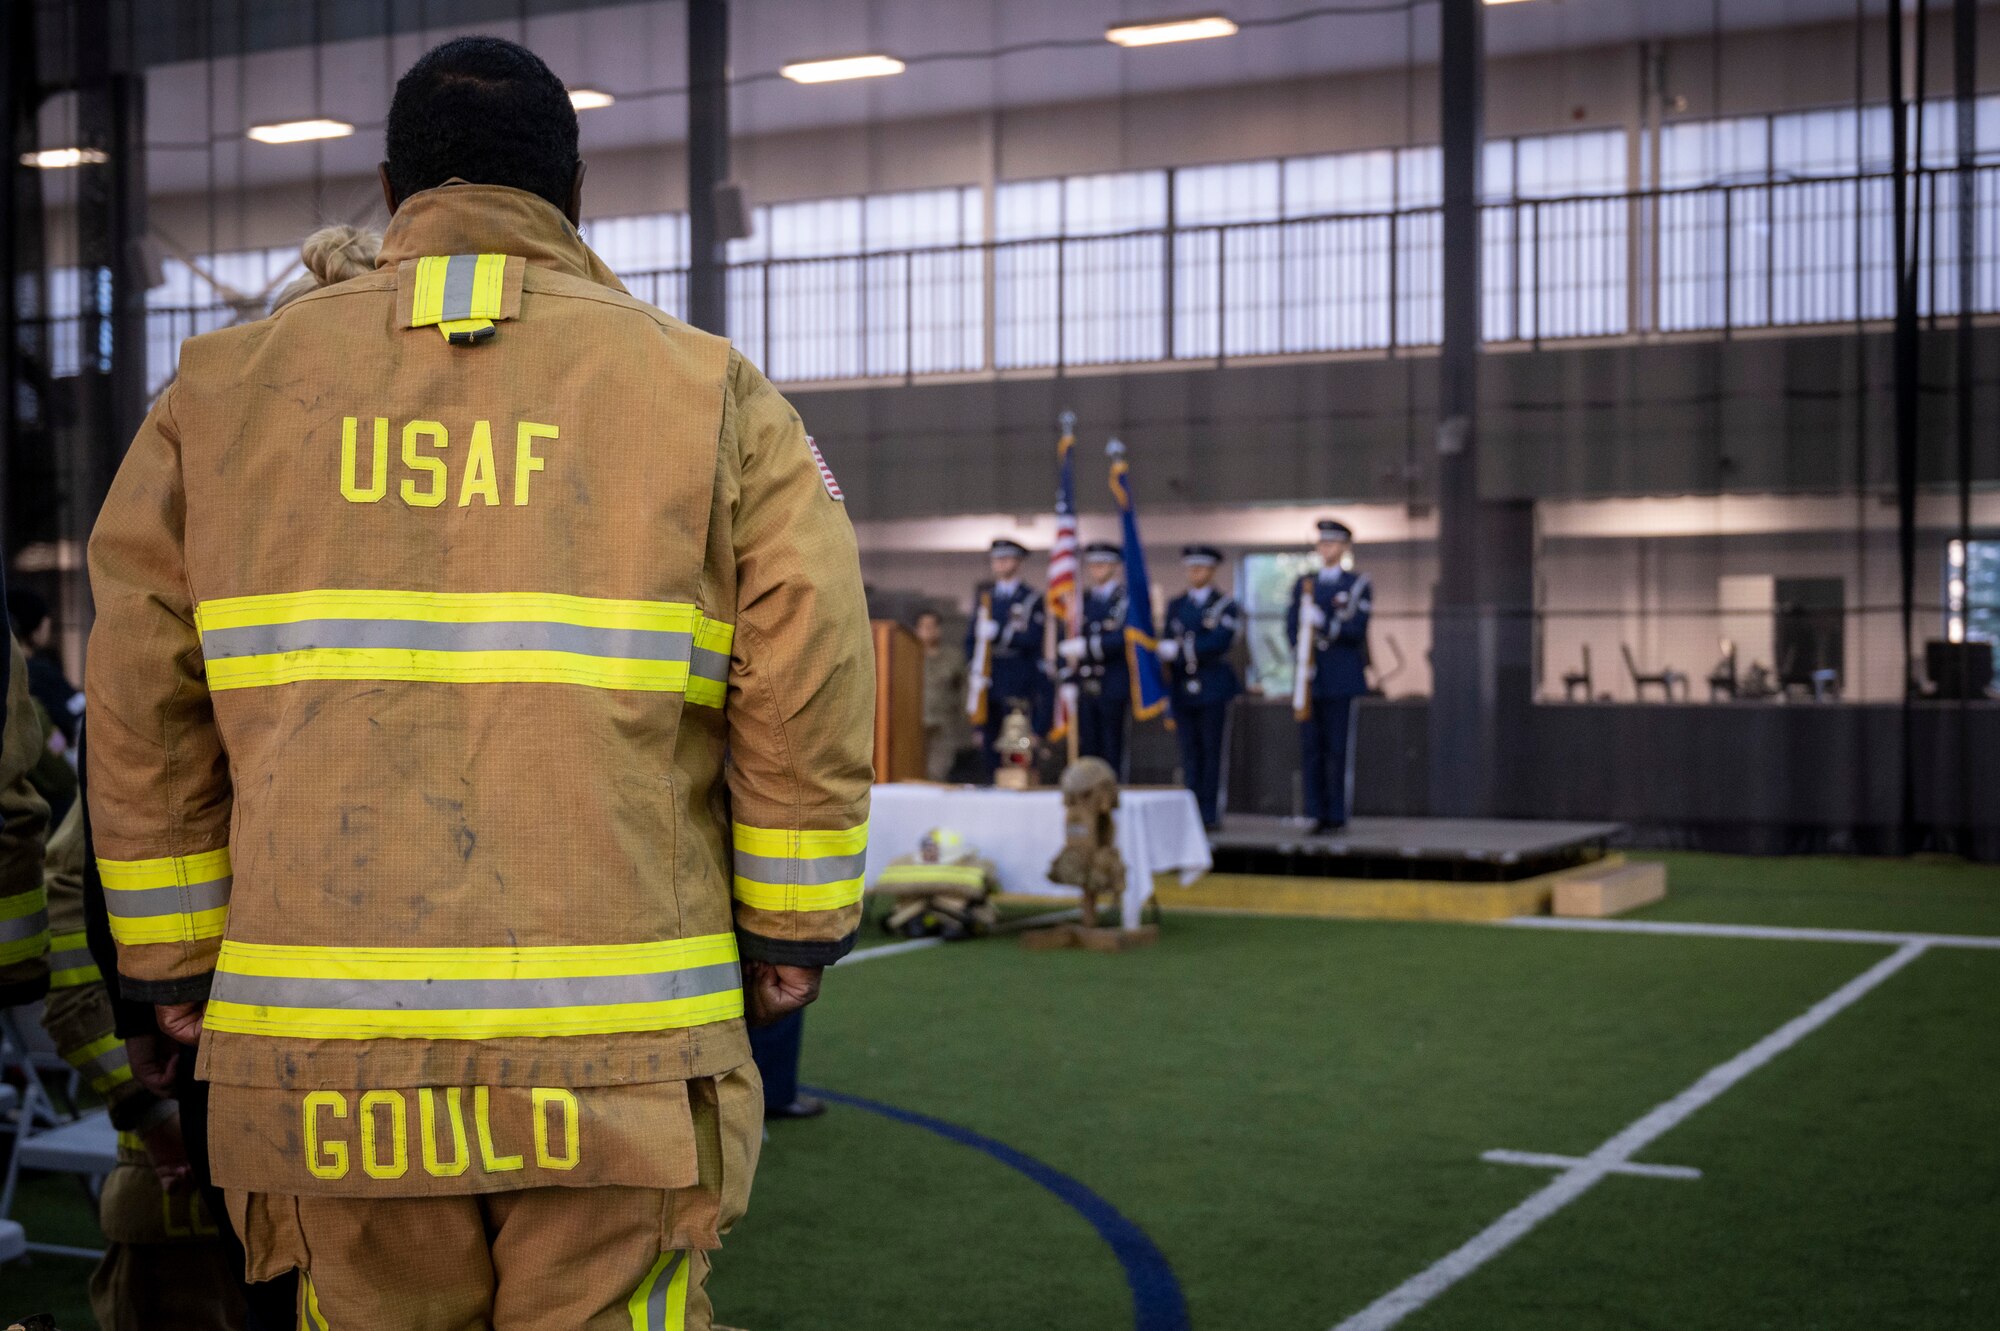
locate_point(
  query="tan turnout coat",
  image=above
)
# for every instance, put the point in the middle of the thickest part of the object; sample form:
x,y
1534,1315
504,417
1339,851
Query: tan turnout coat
x,y
481,671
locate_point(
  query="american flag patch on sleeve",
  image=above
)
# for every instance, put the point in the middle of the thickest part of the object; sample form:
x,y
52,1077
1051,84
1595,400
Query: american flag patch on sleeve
x,y
825,472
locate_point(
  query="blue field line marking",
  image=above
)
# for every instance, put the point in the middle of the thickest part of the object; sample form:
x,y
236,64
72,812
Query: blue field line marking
x,y
1157,1304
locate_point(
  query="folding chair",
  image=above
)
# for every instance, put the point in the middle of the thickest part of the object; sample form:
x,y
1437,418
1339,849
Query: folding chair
x,y
48,1139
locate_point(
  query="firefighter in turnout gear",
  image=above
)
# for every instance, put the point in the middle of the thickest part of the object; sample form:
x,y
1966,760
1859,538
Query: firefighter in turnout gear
x,y
1095,659
945,889
481,698
1200,630
164,1268
1004,645
1332,607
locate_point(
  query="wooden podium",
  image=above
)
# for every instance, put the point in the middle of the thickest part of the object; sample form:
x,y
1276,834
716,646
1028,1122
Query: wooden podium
x,y
899,703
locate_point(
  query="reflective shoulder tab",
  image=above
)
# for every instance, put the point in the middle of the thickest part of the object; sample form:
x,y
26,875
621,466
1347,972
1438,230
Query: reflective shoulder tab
x,y
461,295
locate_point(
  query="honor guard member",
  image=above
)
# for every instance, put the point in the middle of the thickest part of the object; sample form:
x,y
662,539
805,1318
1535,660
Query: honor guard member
x,y
1095,659
481,691
1336,603
1009,618
1200,629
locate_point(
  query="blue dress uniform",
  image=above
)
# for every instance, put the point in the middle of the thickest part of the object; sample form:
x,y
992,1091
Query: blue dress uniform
x,y
1102,675
1203,626
1020,614
1340,657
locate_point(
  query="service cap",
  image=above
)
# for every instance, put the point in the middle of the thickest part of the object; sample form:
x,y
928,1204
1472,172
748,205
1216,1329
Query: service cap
x,y
1007,545
1201,554
1333,529
1103,552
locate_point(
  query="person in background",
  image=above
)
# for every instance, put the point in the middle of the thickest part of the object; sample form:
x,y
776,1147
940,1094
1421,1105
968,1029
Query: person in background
x,y
1336,604
1201,628
47,683
1009,616
166,1266
944,697
331,255
1095,658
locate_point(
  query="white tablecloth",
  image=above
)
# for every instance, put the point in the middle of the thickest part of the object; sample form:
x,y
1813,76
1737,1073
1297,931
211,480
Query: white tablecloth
x,y
1159,831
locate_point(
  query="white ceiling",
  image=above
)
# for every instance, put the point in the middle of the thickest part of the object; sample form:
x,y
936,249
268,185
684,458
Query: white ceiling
x,y
632,50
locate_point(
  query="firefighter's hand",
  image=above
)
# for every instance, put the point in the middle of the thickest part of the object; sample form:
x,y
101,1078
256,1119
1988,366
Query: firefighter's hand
x,y
168,1152
772,991
180,1021
154,1059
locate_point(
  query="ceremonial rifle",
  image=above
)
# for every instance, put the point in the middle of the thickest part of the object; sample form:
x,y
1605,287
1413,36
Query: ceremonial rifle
x,y
1302,664
980,679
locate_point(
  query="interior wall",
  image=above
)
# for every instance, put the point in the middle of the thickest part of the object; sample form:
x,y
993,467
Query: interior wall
x,y
1592,87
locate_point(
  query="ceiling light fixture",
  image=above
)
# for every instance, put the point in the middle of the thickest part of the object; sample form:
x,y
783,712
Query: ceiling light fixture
x,y
300,131
1171,30
58,159
589,99
846,67
1504,2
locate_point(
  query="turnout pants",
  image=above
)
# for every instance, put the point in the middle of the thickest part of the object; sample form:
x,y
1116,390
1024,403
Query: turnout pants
x,y
1202,731
1323,745
603,1258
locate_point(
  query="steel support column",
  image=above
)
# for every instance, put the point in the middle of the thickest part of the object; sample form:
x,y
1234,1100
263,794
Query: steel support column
x,y
708,162
1482,610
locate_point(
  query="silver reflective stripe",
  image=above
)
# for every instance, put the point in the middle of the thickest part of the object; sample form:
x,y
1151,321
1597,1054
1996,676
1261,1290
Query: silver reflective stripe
x,y
24,926
71,959
656,1300
803,873
459,272
139,903
470,995
418,635
710,665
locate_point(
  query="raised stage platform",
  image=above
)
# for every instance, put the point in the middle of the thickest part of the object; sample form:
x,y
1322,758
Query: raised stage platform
x,y
1457,850
1395,868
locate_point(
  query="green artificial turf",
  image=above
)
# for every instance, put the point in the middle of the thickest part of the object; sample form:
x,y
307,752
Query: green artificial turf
x,y
53,1209
1294,1111
1927,895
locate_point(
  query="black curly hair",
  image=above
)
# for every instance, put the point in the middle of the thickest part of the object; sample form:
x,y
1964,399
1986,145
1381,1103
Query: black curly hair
x,y
487,111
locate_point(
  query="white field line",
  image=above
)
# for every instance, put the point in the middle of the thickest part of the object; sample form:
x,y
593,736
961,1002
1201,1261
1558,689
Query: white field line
x,y
1618,1150
1774,932
918,944
1542,1160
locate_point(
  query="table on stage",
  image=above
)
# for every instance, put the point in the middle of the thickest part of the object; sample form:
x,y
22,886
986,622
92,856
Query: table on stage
x,y
1159,831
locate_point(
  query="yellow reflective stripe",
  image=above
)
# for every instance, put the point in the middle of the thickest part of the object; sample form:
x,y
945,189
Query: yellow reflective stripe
x,y
660,1302
23,949
456,668
287,961
131,1141
461,608
171,928
310,1317
21,904
794,896
489,285
784,843
968,875
427,300
471,1023
170,871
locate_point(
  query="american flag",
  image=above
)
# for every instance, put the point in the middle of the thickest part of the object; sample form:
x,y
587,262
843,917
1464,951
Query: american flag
x,y
1062,563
